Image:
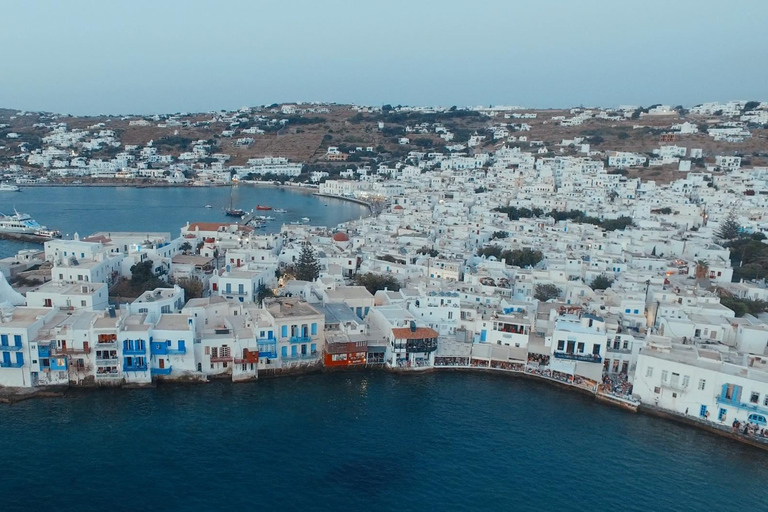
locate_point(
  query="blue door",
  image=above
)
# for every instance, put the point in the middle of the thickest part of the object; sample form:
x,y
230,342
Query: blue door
x,y
182,346
703,411
483,335
294,350
284,351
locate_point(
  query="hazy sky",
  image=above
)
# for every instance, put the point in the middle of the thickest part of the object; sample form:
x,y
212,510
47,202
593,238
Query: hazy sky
x,y
115,56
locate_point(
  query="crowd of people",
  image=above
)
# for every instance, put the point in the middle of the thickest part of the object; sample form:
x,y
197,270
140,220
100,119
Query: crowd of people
x,y
616,384
540,359
749,429
506,365
451,361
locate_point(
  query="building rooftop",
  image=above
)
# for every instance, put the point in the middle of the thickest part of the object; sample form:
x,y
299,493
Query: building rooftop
x,y
283,307
406,333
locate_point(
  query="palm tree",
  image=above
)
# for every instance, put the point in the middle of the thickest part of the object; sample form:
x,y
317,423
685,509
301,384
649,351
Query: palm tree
x,y
702,269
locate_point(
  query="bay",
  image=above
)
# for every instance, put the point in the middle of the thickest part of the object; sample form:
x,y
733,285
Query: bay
x,y
85,210
363,441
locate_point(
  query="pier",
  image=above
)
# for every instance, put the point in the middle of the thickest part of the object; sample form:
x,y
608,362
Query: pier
x,y
24,237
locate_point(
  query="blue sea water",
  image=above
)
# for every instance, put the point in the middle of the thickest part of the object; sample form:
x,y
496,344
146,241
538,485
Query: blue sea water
x,y
365,442
86,210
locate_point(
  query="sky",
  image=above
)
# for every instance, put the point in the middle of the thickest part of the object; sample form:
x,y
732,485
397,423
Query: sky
x,y
164,56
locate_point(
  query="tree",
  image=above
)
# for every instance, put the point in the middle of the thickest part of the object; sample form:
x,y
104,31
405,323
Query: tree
x,y
186,247
601,282
375,282
729,229
193,288
308,266
702,269
263,292
499,235
751,105
546,292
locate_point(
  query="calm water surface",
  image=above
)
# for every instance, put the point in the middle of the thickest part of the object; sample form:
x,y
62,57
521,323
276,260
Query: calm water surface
x,y
363,441
86,210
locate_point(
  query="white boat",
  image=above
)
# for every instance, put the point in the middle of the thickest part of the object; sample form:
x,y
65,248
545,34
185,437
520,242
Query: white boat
x,y
280,210
23,224
8,187
305,219
208,206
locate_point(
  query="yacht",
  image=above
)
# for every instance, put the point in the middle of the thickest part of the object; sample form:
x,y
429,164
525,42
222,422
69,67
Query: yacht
x,y
8,187
280,210
23,224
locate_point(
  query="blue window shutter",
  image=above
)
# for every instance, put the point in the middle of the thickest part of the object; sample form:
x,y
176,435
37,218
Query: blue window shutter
x,y
313,347
4,339
20,358
284,351
314,329
483,335
285,331
182,345
294,350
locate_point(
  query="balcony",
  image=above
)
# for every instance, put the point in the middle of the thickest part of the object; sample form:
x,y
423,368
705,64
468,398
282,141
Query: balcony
x,y
73,351
301,339
742,405
107,375
620,350
221,359
158,349
160,371
11,365
106,361
135,368
300,357
135,352
584,358
10,348
421,346
176,352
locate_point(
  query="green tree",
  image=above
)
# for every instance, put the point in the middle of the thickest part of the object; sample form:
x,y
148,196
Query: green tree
x,y
263,292
729,229
546,292
601,282
375,282
193,287
308,266
499,235
185,247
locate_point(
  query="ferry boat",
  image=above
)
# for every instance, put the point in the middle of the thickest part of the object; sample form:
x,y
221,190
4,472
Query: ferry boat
x,y
23,224
8,187
263,208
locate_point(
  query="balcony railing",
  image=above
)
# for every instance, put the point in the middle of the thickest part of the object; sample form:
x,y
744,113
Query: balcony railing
x,y
176,351
221,359
134,352
160,371
585,358
106,361
268,354
135,368
73,350
620,350
108,375
300,357
159,349
106,344
11,365
301,339
742,405
10,348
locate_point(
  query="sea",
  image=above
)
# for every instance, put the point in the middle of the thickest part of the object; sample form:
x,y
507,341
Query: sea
x,y
357,441
363,441
86,210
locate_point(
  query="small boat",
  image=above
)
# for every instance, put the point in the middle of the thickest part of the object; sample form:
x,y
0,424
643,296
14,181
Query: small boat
x,y
208,206
8,187
263,207
280,210
305,219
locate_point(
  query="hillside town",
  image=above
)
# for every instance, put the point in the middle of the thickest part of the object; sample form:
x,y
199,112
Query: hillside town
x,y
501,252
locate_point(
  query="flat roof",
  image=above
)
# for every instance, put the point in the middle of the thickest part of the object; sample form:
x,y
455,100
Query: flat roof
x,y
350,292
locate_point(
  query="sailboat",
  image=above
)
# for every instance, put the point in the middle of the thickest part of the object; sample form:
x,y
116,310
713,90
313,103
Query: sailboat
x,y
232,211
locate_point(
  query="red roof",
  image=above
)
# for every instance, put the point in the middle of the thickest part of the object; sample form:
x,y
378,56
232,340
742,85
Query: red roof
x,y
397,207
405,333
340,237
100,238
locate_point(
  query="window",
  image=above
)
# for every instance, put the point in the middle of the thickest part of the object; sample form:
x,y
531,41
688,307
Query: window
x,y
664,375
596,349
627,310
561,345
754,397
686,380
626,345
702,384
765,400
580,347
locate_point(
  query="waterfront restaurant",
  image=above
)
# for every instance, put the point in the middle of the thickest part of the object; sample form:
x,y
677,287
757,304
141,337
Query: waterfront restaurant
x,y
414,347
